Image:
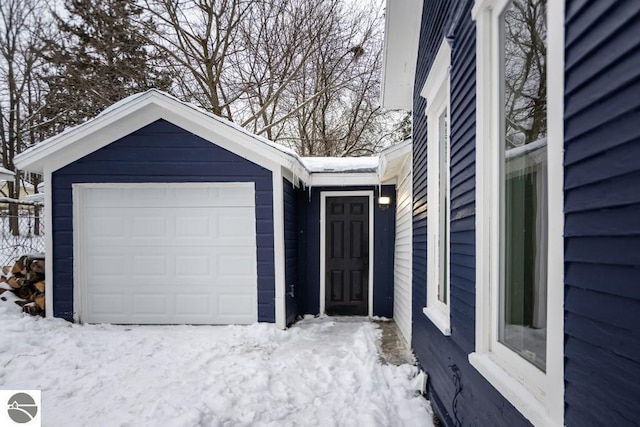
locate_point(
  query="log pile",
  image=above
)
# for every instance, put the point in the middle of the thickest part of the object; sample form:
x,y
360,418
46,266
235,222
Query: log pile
x,y
26,280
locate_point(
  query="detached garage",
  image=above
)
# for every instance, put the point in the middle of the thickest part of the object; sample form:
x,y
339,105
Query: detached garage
x,y
158,212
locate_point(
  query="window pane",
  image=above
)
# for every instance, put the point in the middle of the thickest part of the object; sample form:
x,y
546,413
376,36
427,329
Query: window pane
x,y
523,290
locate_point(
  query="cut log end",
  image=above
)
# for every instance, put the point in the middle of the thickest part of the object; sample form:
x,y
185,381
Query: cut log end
x,y
40,301
40,286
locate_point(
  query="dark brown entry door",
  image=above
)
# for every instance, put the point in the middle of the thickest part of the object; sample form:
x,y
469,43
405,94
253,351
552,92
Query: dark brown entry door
x,y
347,256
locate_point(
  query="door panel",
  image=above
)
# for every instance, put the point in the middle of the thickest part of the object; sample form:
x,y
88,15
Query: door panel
x,y
347,256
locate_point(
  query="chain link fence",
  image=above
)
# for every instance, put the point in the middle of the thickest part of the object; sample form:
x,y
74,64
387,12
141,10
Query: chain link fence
x,y
21,229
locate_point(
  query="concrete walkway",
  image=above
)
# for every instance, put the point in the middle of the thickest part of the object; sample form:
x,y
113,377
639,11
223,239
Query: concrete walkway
x,y
394,348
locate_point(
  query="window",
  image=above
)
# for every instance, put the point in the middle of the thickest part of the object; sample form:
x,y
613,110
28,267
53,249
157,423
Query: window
x,y
436,92
519,249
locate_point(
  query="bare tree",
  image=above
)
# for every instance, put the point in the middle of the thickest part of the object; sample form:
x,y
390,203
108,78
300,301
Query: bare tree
x,y
298,72
345,119
21,22
525,72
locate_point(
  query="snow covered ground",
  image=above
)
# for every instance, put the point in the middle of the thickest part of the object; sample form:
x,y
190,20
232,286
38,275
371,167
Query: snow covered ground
x,y
322,372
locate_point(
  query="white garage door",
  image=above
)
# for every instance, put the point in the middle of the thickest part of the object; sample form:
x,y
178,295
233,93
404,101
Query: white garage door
x,y
175,253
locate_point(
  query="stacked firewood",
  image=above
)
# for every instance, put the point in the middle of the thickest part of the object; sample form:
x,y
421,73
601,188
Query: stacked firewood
x,y
26,280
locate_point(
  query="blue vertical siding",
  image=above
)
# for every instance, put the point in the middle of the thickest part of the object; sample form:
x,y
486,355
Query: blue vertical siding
x,y
384,241
160,152
459,394
602,213
291,244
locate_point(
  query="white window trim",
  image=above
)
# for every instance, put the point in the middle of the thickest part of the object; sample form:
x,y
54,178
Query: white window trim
x,y
538,396
323,242
436,92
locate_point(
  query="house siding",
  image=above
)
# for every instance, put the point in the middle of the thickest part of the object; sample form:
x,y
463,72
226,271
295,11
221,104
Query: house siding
x,y
160,152
459,394
602,213
383,229
291,245
403,254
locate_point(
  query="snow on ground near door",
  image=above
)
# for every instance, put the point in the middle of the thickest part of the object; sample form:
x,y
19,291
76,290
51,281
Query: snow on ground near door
x,y
321,372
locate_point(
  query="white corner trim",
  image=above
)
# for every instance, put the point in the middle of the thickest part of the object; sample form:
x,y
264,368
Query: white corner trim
x,y
323,244
48,244
555,165
279,250
79,262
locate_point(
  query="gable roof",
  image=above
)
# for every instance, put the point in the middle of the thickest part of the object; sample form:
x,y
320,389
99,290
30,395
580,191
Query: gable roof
x,y
142,109
139,110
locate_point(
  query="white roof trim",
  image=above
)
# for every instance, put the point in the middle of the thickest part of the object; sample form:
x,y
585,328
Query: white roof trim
x,y
348,179
392,160
402,34
137,111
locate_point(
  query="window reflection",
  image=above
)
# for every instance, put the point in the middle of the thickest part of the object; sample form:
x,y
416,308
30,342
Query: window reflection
x,y
524,209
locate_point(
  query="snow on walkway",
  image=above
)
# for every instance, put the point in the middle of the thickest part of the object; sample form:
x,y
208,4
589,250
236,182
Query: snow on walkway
x,y
322,372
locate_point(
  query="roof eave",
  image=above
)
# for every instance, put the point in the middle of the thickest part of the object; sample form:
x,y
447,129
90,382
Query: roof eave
x,y
147,107
402,33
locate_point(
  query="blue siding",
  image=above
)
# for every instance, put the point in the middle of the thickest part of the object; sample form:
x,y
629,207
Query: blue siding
x,y
459,394
160,152
602,213
291,244
384,241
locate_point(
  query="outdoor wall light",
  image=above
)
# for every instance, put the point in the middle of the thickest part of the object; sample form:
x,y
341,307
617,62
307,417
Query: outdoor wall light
x,y
384,202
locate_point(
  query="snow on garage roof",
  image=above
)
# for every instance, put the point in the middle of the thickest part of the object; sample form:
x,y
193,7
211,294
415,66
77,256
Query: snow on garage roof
x,y
340,164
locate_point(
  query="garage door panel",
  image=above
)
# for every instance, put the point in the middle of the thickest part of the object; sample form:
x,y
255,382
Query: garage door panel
x,y
194,226
104,227
149,265
144,303
106,265
105,303
233,305
194,266
231,195
153,264
197,304
171,227
149,226
235,262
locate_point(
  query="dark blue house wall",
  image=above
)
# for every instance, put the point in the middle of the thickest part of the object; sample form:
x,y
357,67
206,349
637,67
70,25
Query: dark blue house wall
x,y
459,394
292,219
160,152
384,232
602,213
